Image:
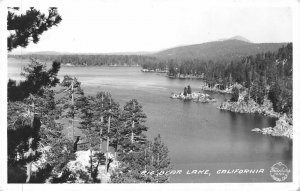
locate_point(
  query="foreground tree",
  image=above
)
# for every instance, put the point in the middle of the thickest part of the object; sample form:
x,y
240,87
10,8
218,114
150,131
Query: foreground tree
x,y
134,119
37,76
160,160
33,134
149,164
28,27
32,117
68,103
23,138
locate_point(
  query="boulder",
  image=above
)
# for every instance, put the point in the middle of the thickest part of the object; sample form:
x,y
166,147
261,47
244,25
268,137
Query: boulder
x,y
256,130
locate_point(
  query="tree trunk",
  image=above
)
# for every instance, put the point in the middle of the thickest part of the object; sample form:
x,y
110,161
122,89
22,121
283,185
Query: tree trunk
x,y
28,173
101,129
145,159
116,149
72,87
132,132
101,139
152,160
107,144
29,164
91,161
30,151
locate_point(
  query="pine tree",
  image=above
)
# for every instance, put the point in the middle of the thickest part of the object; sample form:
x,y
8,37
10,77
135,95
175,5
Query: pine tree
x,y
235,94
28,27
99,104
68,103
87,127
39,132
189,89
160,161
275,96
37,76
258,90
23,137
134,126
99,114
31,105
112,113
152,157
185,91
58,149
37,107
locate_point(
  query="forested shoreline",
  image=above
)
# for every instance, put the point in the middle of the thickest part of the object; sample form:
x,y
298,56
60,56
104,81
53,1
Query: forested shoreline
x,y
260,84
266,74
91,59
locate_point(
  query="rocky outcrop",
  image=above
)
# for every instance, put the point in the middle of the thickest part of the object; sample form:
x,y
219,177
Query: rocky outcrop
x,y
284,124
251,106
195,96
283,127
78,168
81,165
182,76
214,89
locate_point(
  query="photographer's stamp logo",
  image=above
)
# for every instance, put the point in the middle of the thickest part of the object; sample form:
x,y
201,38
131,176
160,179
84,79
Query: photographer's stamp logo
x,y
279,172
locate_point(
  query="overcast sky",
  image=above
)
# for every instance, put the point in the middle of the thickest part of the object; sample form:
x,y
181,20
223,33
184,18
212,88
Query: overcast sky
x,y
105,26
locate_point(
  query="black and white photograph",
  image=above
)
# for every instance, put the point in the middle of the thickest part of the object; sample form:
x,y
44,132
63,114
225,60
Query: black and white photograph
x,y
131,92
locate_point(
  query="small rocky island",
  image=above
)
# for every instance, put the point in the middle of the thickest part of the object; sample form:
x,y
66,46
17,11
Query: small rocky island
x,y
187,94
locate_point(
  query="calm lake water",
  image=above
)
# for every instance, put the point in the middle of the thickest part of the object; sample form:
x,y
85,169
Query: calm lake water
x,y
199,136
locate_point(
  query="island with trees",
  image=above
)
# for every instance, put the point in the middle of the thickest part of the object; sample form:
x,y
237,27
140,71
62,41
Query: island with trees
x,y
187,94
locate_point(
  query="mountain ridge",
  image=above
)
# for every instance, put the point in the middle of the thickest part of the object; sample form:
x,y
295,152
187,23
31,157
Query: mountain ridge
x,y
237,37
228,49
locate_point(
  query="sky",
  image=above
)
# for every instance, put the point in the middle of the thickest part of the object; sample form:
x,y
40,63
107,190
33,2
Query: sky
x,y
108,26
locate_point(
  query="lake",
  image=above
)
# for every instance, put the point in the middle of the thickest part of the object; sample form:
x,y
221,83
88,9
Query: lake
x,y
198,136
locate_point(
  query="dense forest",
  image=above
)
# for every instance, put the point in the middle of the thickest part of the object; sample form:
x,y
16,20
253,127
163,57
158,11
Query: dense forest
x,y
92,59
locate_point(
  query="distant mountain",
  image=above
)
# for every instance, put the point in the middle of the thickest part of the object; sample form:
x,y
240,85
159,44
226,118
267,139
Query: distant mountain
x,y
237,38
230,49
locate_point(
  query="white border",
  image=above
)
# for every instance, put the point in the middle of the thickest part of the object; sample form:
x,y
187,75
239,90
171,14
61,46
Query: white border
x,y
294,4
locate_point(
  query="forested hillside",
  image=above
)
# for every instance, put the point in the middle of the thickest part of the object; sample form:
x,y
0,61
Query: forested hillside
x,y
226,50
